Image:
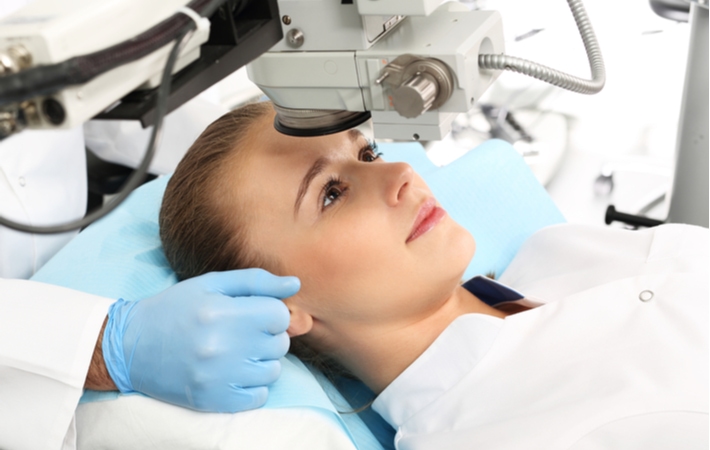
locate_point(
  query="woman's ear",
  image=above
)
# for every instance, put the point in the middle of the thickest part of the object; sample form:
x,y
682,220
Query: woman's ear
x,y
301,322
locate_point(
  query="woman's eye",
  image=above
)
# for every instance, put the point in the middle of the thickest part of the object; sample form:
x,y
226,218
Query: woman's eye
x,y
370,156
331,195
369,153
332,192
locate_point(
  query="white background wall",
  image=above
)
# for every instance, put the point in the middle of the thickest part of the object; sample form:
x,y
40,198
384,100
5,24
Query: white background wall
x,y
632,120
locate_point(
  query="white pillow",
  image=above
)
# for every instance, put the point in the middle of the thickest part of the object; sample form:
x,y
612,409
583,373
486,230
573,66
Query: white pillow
x,y
136,422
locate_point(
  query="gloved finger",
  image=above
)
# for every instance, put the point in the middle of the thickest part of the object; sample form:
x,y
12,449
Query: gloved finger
x,y
257,373
269,347
265,314
249,398
236,399
250,282
269,315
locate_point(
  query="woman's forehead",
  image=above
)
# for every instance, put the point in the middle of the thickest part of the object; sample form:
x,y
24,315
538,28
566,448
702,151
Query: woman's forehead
x,y
275,166
269,140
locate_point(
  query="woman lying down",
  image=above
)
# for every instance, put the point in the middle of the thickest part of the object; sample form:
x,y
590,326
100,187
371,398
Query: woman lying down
x,y
599,340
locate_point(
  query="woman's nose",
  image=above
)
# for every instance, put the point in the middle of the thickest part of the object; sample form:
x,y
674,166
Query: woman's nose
x,y
398,180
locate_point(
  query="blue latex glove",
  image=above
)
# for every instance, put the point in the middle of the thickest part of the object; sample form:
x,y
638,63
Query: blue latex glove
x,y
210,343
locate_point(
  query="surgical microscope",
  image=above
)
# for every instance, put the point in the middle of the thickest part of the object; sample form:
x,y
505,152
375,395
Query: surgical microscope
x,y
408,65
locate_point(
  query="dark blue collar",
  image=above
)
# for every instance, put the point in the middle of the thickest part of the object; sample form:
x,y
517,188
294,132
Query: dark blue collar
x,y
490,291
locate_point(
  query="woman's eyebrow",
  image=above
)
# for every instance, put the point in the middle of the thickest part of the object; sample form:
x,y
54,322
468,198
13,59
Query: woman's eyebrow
x,y
317,167
355,134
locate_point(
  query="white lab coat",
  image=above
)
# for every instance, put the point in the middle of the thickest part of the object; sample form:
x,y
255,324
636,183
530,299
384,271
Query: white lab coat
x,y
597,367
47,338
47,334
42,182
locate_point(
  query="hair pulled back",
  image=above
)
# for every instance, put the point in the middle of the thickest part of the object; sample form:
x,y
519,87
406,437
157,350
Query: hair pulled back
x,y
201,227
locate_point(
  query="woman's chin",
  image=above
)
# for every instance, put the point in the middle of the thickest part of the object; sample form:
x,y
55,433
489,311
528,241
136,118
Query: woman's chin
x,y
460,254
466,248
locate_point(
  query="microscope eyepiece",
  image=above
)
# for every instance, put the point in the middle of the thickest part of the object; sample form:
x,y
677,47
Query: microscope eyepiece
x,y
316,122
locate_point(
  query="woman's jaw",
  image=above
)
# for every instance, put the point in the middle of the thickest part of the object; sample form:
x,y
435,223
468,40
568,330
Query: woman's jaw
x,y
378,354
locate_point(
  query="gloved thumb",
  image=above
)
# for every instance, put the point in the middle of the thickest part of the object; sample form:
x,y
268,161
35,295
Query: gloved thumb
x,y
252,282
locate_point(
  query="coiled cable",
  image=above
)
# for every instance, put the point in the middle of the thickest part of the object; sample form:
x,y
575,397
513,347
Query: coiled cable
x,y
553,76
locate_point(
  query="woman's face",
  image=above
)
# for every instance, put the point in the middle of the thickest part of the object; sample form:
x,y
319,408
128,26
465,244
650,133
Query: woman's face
x,y
365,237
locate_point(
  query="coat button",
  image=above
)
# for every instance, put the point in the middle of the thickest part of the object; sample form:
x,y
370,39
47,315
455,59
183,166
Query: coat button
x,y
22,181
646,295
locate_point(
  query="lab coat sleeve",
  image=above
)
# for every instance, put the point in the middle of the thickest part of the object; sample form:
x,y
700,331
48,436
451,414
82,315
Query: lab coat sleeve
x,y
47,337
42,182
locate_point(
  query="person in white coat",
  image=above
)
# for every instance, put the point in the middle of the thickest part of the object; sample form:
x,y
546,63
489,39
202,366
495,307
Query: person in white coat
x,y
51,340
614,356
606,346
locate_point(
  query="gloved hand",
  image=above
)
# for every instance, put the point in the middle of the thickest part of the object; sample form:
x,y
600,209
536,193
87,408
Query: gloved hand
x,y
210,343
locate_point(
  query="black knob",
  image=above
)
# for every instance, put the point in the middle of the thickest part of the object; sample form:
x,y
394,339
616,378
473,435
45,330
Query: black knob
x,y
638,221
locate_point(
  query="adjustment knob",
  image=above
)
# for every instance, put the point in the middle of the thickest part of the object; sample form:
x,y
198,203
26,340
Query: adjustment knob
x,y
415,96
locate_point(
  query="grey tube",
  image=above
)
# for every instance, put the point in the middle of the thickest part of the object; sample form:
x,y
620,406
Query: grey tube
x,y
553,76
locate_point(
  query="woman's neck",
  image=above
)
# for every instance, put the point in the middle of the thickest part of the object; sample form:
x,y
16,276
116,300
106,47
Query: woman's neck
x,y
379,355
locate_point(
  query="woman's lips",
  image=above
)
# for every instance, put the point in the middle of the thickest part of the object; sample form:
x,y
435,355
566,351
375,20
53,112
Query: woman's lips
x,y
428,216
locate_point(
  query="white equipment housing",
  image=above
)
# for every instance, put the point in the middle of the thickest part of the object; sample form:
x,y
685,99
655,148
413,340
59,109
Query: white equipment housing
x,y
333,58
360,57
54,31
